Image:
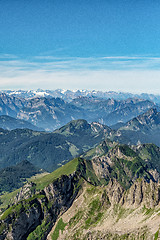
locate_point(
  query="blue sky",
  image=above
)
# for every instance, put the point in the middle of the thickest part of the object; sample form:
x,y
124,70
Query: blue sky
x,y
87,44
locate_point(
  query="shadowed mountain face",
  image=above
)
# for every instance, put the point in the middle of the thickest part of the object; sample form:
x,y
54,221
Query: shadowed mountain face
x,y
13,177
50,150
146,121
47,113
143,129
50,113
10,123
112,111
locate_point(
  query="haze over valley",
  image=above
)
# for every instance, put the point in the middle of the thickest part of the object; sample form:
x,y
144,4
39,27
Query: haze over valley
x,y
114,144
79,120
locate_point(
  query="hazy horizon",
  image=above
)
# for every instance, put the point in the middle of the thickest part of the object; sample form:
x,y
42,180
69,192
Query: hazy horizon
x,y
81,90
80,45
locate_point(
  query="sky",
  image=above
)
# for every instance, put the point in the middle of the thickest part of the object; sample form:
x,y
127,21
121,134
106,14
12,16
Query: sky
x,y
88,44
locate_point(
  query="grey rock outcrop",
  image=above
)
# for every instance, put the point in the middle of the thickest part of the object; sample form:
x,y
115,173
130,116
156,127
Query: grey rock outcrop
x,y
54,200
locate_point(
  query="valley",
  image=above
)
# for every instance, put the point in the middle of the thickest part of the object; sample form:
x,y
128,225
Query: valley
x,y
83,180
49,113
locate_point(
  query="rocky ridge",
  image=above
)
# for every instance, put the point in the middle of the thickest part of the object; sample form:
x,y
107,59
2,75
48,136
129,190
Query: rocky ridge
x,y
114,185
69,95
43,208
50,113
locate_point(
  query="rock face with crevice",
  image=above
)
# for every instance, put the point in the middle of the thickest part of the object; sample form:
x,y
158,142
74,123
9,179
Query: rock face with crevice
x,y
140,193
24,223
118,181
46,206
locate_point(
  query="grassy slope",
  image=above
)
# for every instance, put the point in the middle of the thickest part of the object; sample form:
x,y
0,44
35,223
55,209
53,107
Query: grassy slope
x,y
6,199
48,150
41,181
67,169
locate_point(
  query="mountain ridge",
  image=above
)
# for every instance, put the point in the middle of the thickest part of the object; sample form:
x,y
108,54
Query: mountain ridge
x,y
74,138
49,150
10,123
98,199
68,95
144,128
50,113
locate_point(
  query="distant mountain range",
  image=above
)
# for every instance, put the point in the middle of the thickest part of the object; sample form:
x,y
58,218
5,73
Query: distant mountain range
x,y
112,111
51,150
69,95
10,123
142,129
50,113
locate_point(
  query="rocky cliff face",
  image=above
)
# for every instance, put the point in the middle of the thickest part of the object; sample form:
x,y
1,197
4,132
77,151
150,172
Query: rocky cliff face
x,y
22,219
25,192
111,212
140,193
112,187
18,226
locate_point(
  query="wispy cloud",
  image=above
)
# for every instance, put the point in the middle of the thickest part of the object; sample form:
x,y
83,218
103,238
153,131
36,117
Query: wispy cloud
x,y
7,56
73,63
119,73
108,62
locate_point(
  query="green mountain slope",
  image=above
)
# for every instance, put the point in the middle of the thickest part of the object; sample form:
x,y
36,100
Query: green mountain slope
x,y
143,129
10,123
89,199
14,177
50,150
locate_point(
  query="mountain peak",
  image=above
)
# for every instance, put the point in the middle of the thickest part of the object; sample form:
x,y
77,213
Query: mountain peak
x,y
151,116
74,126
151,111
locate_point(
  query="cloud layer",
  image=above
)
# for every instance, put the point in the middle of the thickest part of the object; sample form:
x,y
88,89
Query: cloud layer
x,y
118,73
